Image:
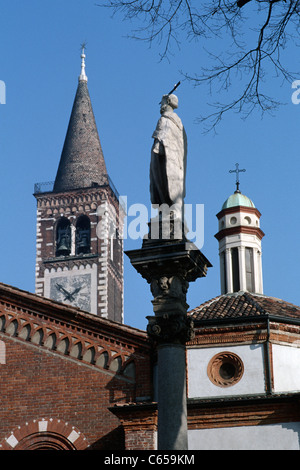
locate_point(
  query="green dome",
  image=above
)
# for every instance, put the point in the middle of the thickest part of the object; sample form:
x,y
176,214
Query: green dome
x,y
237,199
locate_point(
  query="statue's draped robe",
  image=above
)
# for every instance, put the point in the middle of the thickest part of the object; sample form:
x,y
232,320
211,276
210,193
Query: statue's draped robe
x,y
168,161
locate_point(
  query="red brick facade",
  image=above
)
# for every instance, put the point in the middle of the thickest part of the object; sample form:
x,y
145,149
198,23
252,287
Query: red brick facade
x,y
61,371
72,380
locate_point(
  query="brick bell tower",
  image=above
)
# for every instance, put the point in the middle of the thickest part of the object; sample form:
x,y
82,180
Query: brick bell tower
x,y
79,257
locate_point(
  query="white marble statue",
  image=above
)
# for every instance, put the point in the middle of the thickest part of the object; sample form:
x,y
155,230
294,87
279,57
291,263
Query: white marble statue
x,y
168,158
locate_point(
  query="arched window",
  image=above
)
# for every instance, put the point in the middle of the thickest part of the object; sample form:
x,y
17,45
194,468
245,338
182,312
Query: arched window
x,y
83,235
235,269
45,441
249,269
63,237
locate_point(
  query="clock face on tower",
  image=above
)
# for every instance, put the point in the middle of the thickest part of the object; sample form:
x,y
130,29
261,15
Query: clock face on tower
x,y
72,290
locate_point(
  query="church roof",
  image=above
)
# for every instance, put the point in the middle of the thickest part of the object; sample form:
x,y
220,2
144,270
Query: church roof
x,y
82,162
237,199
43,309
243,305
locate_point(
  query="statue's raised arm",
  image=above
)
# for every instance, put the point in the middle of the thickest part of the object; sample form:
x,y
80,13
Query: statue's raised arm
x,y
168,158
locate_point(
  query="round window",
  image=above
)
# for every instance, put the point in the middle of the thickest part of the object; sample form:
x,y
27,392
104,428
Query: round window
x,y
225,369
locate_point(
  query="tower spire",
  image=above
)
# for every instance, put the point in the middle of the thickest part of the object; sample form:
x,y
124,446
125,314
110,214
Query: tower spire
x,y
82,76
82,162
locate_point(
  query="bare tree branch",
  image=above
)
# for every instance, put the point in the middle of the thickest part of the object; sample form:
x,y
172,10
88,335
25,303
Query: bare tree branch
x,y
277,23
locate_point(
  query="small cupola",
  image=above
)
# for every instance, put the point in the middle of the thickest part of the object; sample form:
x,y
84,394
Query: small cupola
x,y
239,238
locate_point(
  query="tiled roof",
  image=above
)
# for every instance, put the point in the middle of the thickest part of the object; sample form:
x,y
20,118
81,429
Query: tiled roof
x,y
244,305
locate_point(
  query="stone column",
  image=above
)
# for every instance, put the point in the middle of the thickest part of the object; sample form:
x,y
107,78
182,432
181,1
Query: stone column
x,y
242,268
228,273
169,266
172,400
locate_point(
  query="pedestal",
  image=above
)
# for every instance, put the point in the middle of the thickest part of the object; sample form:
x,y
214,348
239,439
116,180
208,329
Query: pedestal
x,y
168,264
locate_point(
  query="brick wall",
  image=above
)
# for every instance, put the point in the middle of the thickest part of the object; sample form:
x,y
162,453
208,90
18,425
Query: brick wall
x,y
36,384
70,387
139,422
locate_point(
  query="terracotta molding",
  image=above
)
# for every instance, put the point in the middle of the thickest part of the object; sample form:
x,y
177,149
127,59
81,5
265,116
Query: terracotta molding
x,y
243,334
230,415
279,333
239,229
234,210
15,301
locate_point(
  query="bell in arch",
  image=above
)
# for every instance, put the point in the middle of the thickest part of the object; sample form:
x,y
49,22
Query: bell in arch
x,y
83,241
63,238
83,235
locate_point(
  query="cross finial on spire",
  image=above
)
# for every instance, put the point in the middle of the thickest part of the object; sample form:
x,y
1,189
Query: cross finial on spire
x,y
237,171
82,76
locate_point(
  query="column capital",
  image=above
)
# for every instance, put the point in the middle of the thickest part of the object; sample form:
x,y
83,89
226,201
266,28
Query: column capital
x,y
169,265
172,328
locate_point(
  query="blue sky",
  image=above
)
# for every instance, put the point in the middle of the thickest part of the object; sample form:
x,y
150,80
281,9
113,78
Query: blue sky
x,y
40,64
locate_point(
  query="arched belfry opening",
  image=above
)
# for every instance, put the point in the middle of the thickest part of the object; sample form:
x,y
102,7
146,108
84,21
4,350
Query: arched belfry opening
x,y
83,235
63,237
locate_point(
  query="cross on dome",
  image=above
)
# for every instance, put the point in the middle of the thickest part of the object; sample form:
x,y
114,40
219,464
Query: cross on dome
x,y
237,171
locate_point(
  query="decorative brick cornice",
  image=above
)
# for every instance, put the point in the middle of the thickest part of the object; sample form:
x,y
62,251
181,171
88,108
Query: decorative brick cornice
x,y
70,261
79,196
236,334
285,333
247,411
225,412
68,332
219,413
247,333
